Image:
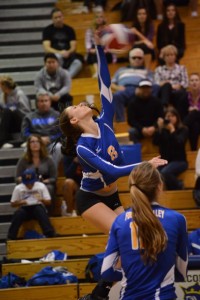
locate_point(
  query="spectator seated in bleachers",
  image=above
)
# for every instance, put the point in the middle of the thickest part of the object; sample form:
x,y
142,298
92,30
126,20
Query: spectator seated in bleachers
x,y
13,106
91,58
30,197
126,79
192,3
55,81
36,157
44,122
145,26
171,31
192,120
171,137
128,8
73,173
173,80
60,39
99,6
143,112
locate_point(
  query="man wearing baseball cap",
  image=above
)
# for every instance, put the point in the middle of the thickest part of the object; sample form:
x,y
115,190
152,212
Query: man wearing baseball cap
x,y
30,197
143,112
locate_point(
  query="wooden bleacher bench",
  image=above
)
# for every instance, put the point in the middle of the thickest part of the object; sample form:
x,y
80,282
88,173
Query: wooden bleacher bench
x,y
85,86
65,226
182,199
27,270
50,292
86,288
172,199
18,249
121,132
191,158
187,176
74,246
89,86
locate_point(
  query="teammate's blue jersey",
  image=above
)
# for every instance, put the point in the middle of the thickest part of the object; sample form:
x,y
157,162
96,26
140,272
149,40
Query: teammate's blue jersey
x,y
140,281
100,156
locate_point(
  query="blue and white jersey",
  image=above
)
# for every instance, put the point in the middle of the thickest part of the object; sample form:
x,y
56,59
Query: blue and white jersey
x,y
100,156
140,281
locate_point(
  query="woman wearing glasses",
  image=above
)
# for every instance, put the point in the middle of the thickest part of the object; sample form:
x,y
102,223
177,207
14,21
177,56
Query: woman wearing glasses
x,y
36,157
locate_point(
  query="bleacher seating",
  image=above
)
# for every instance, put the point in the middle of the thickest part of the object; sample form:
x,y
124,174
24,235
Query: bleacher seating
x,y
58,292
27,270
75,246
72,242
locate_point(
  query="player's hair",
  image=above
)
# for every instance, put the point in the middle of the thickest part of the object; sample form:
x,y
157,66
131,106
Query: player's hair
x,y
43,149
144,182
71,133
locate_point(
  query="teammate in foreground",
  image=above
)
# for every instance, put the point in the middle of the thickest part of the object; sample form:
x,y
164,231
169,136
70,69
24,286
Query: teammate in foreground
x,y
98,151
147,247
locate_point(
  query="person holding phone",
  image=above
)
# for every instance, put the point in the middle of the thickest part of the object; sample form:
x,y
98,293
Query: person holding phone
x,y
171,136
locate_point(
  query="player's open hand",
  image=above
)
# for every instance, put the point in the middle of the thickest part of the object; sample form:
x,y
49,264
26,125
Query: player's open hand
x,y
157,161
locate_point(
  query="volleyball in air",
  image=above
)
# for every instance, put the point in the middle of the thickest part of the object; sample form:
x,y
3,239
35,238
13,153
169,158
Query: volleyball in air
x,y
116,36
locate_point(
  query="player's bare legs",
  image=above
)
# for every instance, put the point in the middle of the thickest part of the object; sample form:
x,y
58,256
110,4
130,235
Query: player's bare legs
x,y
102,216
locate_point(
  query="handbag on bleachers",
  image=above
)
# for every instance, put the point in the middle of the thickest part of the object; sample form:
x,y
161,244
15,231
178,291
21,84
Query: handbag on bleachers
x,y
93,268
12,280
52,276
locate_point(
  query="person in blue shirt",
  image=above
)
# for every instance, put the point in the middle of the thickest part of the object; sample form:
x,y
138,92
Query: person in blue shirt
x,y
98,151
147,246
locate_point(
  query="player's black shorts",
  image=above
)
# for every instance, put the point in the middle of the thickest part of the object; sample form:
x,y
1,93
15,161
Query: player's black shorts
x,y
85,200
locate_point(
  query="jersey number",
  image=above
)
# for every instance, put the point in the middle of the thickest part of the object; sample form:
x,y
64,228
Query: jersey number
x,y
136,241
112,152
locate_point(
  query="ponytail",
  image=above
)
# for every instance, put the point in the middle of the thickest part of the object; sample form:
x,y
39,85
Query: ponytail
x,y
144,181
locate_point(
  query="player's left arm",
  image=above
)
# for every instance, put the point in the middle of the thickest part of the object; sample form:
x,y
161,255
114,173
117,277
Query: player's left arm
x,y
107,112
110,270
105,167
182,250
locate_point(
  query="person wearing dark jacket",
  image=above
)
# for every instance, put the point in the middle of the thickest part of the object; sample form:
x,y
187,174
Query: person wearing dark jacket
x,y
44,122
171,31
171,137
143,112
